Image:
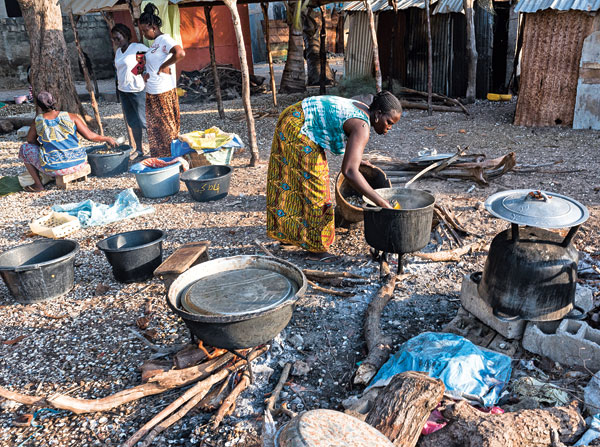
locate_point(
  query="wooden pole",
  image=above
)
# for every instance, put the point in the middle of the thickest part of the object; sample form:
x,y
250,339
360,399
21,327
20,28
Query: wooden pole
x,y
265,9
110,22
392,59
235,16
323,54
376,65
471,51
134,10
86,75
429,60
213,61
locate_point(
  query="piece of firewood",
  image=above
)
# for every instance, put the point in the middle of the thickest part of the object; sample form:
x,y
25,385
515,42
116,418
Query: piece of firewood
x,y
317,275
214,398
272,399
404,405
318,288
229,403
189,356
469,427
378,345
151,368
188,375
192,396
448,255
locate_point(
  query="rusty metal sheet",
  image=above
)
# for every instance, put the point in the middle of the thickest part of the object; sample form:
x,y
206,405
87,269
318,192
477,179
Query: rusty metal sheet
x,y
587,103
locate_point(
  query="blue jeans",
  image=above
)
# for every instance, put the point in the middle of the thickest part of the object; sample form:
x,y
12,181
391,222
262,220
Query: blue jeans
x,y
134,108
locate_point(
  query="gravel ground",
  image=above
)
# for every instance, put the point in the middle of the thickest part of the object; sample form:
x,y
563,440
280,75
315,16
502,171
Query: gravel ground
x,y
82,344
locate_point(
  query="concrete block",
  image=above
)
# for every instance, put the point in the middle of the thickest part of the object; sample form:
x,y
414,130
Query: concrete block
x,y
591,395
473,303
574,343
22,132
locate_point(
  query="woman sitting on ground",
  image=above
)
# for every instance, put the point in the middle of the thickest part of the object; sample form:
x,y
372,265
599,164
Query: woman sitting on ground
x,y
299,206
52,143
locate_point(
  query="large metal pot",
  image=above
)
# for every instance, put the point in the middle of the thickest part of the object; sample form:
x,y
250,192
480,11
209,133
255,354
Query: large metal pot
x,y
400,231
240,330
531,274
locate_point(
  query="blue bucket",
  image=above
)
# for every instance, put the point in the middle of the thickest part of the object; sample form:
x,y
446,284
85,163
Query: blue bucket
x,y
157,182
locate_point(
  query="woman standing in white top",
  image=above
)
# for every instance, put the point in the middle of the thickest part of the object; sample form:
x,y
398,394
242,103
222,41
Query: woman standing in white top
x,y
162,104
130,82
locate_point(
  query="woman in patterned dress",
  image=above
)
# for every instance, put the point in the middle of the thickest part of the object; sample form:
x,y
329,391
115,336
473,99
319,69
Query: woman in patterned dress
x,y
299,206
53,144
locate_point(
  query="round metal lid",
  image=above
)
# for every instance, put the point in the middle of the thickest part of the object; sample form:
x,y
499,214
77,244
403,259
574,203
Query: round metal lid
x,y
318,428
537,208
237,292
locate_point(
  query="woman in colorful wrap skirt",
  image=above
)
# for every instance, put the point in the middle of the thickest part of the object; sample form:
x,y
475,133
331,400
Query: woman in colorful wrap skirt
x,y
162,104
53,144
299,206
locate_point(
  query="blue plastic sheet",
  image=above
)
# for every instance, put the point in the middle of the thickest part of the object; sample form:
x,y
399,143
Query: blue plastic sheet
x,y
464,368
179,148
592,433
91,213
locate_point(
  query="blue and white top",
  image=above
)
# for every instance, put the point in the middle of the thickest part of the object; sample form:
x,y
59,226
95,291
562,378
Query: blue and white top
x,y
324,118
59,143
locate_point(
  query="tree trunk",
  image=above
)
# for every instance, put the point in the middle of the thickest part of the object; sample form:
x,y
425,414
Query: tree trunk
x,y
293,79
468,427
312,24
402,408
50,67
235,16
265,10
134,11
376,66
471,51
86,74
429,59
213,61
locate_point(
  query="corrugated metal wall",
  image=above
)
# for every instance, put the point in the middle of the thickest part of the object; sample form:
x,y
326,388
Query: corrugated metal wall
x,y
484,40
552,42
358,57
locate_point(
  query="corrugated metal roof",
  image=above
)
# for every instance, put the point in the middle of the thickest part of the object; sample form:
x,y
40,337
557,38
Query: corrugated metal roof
x,y
561,5
441,7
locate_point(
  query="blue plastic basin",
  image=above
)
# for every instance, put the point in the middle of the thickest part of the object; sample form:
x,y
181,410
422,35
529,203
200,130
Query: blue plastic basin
x,y
159,182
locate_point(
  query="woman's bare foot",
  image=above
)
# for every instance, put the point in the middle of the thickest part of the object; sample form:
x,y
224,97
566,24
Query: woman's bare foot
x,y
33,188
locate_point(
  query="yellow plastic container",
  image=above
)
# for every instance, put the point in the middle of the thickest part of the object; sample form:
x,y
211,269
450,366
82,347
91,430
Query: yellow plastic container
x,y
505,97
493,97
55,225
180,92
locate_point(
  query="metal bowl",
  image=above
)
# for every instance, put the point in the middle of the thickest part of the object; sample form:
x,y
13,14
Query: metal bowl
x,y
237,330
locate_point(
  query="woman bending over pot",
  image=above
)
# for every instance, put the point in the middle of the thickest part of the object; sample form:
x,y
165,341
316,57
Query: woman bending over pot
x,y
299,207
53,143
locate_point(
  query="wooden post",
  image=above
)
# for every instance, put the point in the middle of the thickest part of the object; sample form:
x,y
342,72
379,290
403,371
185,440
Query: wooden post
x,y
392,59
429,59
323,54
213,61
110,22
376,65
235,16
86,75
134,10
471,50
265,9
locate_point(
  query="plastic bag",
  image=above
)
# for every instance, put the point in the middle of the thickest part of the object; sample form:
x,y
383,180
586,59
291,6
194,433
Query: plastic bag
x,y
91,213
592,433
466,369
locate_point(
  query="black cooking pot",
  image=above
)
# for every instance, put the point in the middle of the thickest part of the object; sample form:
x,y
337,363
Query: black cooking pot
x,y
531,274
243,330
404,230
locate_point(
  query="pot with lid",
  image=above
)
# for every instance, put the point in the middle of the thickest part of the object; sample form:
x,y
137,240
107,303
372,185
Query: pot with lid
x,y
531,273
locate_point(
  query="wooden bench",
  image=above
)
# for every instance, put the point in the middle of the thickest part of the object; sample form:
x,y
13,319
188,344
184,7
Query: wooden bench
x,y
186,256
63,181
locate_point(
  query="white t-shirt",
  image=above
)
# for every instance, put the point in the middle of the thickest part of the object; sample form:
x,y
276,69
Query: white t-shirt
x,y
158,53
124,62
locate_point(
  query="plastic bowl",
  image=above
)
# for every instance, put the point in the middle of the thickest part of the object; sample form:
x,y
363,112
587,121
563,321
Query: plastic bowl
x,y
208,183
114,162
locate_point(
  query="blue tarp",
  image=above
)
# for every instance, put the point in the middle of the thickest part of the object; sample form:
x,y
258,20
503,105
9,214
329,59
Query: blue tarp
x,y
179,148
463,367
91,213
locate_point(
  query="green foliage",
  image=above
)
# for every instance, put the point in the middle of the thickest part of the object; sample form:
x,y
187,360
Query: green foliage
x,y
353,87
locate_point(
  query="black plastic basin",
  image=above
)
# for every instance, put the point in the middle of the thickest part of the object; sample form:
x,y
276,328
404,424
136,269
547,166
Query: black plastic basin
x,y
133,255
208,183
39,271
114,162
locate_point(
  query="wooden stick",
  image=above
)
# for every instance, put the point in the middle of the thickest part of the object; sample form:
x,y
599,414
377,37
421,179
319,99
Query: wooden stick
x,y
263,248
265,9
438,164
213,61
192,397
272,399
373,34
318,274
448,255
443,220
329,291
429,59
214,399
86,75
229,402
439,96
322,53
235,16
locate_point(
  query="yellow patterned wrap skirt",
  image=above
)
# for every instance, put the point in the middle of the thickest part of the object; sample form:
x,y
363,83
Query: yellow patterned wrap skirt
x,y
299,207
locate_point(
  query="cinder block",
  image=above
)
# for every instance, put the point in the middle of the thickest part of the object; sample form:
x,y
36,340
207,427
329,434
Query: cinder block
x,y
472,302
574,343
